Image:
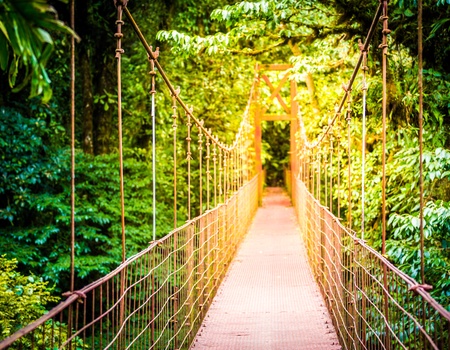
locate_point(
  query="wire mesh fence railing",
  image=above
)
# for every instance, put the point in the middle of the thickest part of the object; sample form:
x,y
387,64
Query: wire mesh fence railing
x,y
372,303
156,299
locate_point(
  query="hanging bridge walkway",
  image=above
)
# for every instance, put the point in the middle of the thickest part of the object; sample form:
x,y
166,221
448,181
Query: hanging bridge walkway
x,y
171,296
269,299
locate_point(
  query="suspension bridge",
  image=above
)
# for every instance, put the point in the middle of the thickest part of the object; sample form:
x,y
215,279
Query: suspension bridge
x,y
187,290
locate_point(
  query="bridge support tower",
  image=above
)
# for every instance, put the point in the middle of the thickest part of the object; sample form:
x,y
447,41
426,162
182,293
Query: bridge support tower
x,y
288,111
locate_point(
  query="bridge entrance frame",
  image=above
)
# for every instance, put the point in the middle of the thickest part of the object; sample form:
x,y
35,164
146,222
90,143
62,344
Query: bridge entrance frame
x,y
261,114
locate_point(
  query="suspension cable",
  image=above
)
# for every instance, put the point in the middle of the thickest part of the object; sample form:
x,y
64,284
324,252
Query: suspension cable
x,y
420,53
220,165
215,172
153,114
349,150
331,170
325,168
72,147
363,152
174,128
318,160
119,51
312,161
384,47
188,159
225,175
208,172
200,167
339,162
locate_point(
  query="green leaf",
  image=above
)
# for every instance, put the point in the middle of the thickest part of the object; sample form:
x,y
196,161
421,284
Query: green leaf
x,y
4,52
415,222
43,35
13,70
408,13
436,26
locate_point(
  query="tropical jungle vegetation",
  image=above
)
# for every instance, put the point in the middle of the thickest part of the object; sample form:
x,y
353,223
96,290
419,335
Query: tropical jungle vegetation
x,y
209,48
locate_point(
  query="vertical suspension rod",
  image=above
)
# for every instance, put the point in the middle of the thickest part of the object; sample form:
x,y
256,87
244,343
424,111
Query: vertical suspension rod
x,y
119,51
215,173
174,128
363,155
339,168
208,173
153,114
72,147
420,54
189,158
331,171
319,183
325,168
72,170
349,150
384,47
200,161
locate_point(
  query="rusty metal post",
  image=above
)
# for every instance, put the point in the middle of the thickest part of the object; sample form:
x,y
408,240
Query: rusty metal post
x,y
293,133
258,142
384,47
190,272
175,294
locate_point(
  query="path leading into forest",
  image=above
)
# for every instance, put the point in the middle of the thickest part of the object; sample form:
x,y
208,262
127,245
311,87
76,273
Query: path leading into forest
x,y
269,299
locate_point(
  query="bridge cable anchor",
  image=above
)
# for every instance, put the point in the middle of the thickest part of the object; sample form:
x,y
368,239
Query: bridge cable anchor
x,y
81,295
425,287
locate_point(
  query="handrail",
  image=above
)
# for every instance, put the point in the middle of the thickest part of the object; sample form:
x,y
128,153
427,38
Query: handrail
x,y
209,242
350,276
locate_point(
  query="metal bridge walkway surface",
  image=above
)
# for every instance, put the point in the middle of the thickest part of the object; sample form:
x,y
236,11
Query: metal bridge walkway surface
x,y
269,299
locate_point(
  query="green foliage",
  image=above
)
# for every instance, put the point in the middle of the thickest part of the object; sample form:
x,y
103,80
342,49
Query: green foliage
x,y
26,44
436,15
256,27
35,202
22,298
275,151
403,247
212,61
35,213
403,171
32,173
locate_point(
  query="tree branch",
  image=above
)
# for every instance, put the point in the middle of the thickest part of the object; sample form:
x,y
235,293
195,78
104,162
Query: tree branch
x,y
258,52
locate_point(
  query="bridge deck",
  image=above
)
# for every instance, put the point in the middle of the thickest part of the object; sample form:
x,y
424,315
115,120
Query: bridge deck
x,y
269,299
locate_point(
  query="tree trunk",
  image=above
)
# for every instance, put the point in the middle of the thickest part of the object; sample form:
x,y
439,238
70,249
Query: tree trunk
x,y
294,48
